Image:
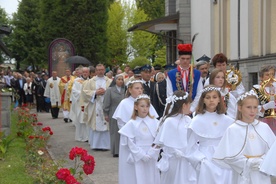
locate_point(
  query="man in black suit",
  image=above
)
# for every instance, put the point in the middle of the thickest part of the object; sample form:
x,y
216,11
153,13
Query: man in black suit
x,y
19,84
46,101
149,86
36,84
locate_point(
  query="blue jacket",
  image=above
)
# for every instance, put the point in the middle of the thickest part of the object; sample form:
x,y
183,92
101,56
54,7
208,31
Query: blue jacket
x,y
172,74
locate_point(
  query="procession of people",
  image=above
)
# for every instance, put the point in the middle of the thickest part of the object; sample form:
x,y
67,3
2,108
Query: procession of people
x,y
185,124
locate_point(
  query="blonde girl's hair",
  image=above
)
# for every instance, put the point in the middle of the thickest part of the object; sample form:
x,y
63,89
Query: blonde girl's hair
x,y
213,75
130,86
248,95
137,101
201,107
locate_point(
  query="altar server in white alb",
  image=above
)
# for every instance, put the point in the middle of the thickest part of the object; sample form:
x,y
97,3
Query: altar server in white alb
x,y
93,95
246,143
172,138
207,129
138,136
76,114
52,92
123,114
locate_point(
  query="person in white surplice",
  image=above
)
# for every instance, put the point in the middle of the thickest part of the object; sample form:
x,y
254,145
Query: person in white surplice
x,y
123,114
172,138
52,92
207,129
138,136
76,114
269,164
93,93
246,143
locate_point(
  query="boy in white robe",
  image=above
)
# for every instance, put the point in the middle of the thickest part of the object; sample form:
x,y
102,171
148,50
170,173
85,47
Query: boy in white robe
x,y
52,92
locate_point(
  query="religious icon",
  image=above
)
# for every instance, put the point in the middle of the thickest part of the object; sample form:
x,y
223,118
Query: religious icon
x,y
60,50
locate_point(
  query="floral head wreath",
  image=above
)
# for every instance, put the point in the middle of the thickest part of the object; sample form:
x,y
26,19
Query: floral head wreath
x,y
143,96
134,81
207,89
249,93
172,99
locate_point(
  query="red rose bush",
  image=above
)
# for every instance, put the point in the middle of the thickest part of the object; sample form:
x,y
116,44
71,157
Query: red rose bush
x,y
88,164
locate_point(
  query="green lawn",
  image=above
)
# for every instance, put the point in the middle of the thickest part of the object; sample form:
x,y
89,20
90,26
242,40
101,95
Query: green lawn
x,y
12,168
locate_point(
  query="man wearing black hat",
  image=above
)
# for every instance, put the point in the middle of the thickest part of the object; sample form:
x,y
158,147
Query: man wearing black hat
x,y
180,78
168,67
203,65
148,84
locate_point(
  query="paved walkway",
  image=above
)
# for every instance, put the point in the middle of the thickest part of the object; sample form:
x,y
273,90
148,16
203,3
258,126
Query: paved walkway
x,y
60,144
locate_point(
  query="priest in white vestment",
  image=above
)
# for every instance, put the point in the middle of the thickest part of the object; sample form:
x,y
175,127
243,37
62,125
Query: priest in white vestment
x,y
52,92
93,94
76,113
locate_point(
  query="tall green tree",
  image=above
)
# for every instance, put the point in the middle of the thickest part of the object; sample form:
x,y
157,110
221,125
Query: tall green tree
x,y
26,41
82,22
160,57
153,8
143,43
116,35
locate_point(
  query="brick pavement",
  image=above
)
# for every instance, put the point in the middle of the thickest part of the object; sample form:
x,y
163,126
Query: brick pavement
x,y
60,144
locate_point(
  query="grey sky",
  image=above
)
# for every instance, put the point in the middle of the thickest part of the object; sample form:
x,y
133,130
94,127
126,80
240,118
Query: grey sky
x,y
10,6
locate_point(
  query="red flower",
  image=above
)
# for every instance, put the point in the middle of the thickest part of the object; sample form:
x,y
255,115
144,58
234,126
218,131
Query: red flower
x,y
71,180
185,47
88,169
63,173
46,129
39,124
51,133
76,151
31,137
88,159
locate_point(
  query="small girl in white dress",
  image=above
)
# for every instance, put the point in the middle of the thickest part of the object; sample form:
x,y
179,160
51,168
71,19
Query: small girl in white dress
x,y
139,134
246,143
123,114
172,138
207,129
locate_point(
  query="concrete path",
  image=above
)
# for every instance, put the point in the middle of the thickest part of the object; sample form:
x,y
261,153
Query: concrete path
x,y
60,144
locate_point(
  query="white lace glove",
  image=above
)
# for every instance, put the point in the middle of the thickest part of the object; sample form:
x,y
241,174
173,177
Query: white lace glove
x,y
269,105
255,163
178,153
146,158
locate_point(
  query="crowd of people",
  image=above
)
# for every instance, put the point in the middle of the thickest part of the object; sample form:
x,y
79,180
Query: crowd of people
x,y
177,124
